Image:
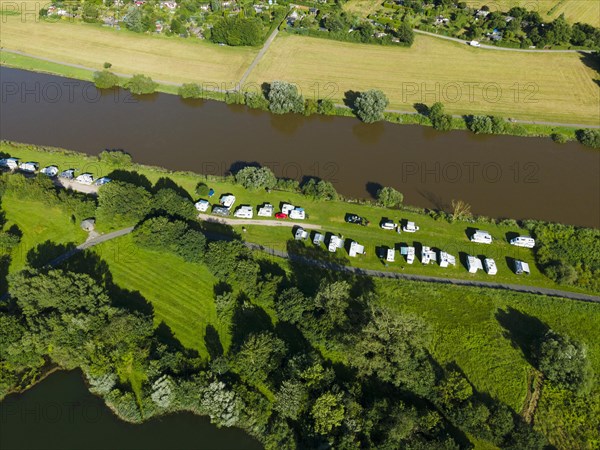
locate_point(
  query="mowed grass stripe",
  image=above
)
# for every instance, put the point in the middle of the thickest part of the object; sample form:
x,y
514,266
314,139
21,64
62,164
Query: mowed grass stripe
x,y
432,69
181,293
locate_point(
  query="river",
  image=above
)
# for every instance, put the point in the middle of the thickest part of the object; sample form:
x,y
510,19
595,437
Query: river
x,y
60,413
500,176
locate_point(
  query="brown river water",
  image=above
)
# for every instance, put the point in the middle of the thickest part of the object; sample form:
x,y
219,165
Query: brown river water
x,y
500,176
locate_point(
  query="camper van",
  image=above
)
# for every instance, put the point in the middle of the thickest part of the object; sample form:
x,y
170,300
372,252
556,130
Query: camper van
x,y
335,242
244,212
523,241
410,227
388,225
265,210
390,255
409,252
446,259
481,237
427,255
29,167
521,268
300,234
85,178
297,214
490,266
356,249
202,205
227,200
474,264
50,171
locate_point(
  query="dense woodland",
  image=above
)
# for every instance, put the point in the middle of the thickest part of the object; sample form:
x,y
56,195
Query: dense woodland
x,y
384,389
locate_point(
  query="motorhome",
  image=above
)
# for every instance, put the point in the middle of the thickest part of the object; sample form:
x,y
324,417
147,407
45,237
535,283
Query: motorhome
x,y
265,210
227,200
446,259
490,266
427,255
335,242
481,237
410,227
521,267
523,241
474,264
202,205
356,249
244,212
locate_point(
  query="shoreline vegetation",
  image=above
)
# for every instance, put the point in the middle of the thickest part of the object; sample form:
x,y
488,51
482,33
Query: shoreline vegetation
x,y
327,209
257,98
166,319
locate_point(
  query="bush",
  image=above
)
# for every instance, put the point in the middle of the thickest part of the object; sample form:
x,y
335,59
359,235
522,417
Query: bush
x,y
105,79
589,137
326,107
190,90
370,105
310,107
440,120
256,178
202,189
389,197
287,184
284,98
107,65
559,138
117,158
141,85
256,100
319,190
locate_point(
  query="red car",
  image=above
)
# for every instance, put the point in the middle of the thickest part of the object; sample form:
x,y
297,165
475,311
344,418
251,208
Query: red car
x,y
281,216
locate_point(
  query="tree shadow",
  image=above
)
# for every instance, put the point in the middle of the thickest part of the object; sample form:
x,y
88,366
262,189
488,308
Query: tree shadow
x,y
350,99
213,342
236,166
247,319
373,188
422,109
4,266
510,235
131,177
524,332
167,183
164,335
49,253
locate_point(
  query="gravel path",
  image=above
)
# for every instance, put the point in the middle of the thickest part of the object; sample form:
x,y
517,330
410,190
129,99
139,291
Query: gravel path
x,y
264,222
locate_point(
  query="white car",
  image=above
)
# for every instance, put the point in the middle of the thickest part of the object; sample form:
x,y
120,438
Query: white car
x,y
244,212
388,225
202,205
410,227
474,44
523,241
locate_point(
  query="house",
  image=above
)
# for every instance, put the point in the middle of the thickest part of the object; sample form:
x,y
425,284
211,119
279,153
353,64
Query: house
x,y
481,237
523,241
10,163
85,178
301,234
244,212
68,174
356,249
441,20
102,181
427,255
446,259
388,225
473,264
521,268
265,210
390,255
88,225
335,242
490,266
410,227
202,205
50,171
409,252
227,200
318,238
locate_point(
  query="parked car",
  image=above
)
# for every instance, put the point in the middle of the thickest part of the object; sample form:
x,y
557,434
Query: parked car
x,y
388,225
354,218
281,215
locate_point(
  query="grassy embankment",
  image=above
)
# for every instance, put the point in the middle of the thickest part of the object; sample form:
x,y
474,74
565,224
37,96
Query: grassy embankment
x,y
586,11
451,237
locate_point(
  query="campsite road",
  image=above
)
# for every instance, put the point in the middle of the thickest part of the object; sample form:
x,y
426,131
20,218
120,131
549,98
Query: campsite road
x,y
266,223
355,270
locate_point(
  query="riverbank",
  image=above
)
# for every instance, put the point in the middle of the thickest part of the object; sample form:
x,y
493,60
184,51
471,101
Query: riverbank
x,y
543,126
436,231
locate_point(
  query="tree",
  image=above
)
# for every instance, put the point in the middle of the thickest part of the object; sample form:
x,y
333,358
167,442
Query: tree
x,y
319,190
392,347
564,361
440,120
285,98
325,107
328,412
105,80
589,137
141,85
168,201
190,90
480,124
291,399
291,305
133,19
460,210
370,105
256,178
237,30
260,354
332,302
405,33
122,202
256,100
389,197
202,189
